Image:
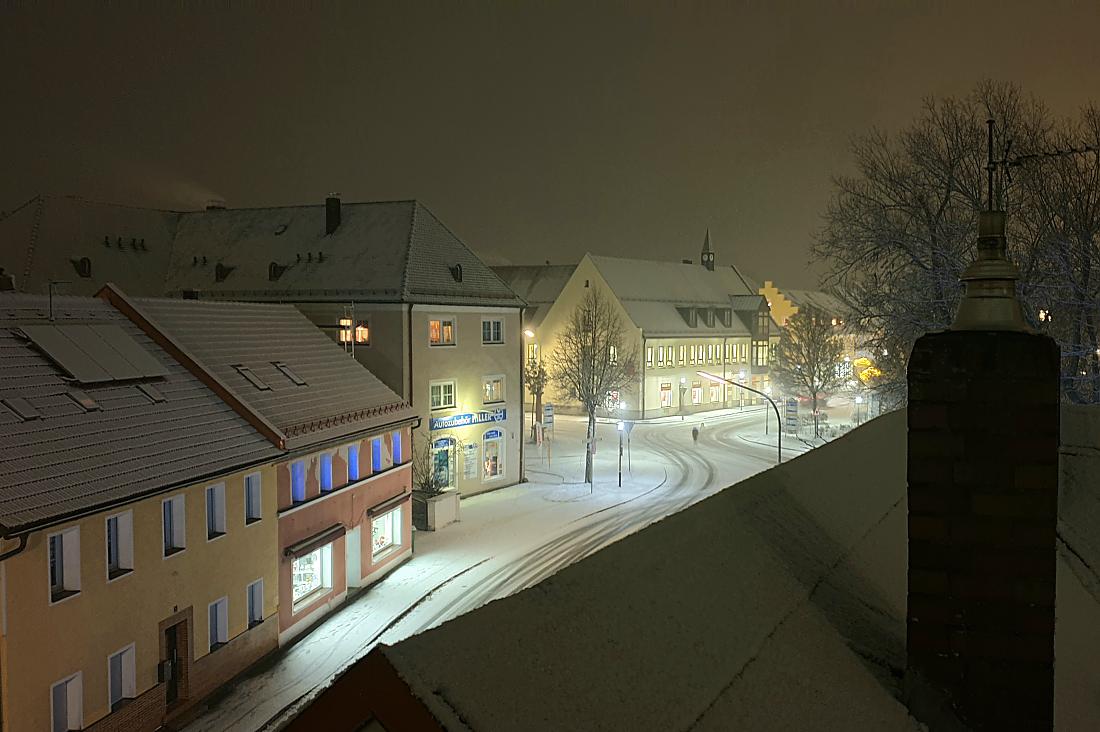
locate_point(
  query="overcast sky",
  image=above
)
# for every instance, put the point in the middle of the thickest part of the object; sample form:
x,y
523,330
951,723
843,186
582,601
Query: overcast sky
x,y
533,130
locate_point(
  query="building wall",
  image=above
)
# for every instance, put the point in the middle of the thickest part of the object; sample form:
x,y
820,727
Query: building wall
x,y
782,308
45,643
727,396
468,363
349,505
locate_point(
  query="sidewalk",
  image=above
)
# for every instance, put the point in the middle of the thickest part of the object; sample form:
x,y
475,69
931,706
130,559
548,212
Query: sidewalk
x,y
696,416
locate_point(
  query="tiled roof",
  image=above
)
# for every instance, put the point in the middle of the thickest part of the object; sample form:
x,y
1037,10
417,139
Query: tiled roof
x,y
340,396
822,301
70,461
539,285
391,252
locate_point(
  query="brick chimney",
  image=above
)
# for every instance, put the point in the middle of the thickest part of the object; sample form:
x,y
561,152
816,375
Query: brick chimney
x,y
983,508
332,213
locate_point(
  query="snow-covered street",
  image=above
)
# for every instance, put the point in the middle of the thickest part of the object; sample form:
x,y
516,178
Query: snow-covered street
x,y
508,540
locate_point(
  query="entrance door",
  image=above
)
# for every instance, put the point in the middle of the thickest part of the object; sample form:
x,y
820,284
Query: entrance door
x,y
353,558
172,664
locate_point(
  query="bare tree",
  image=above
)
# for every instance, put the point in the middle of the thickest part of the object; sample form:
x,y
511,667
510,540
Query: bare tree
x,y
535,378
424,477
591,360
807,357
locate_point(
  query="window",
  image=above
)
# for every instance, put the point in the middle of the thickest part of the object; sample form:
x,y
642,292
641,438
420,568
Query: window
x,y
727,354
286,370
345,330
744,353
612,355
64,561
362,332
326,472
532,352
385,531
353,462
696,392
175,539
67,704
759,353
443,461
710,353
692,354
441,332
252,378
219,623
376,455
649,355
492,331
715,393
660,355
395,442
121,682
255,603
442,394
120,544
763,320
666,393
493,450
253,498
682,349
298,481
311,573
215,511
493,387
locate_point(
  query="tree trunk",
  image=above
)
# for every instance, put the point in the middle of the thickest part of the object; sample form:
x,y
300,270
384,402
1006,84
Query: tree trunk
x,y
591,446
538,411
817,433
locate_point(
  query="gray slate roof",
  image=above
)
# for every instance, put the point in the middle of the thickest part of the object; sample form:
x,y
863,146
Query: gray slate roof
x,y
389,252
539,285
40,240
70,461
340,398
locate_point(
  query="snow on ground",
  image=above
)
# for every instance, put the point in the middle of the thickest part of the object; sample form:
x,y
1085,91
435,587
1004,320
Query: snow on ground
x,y
507,540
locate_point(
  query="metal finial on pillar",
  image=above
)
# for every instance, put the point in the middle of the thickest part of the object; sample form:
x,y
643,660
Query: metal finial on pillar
x,y
990,301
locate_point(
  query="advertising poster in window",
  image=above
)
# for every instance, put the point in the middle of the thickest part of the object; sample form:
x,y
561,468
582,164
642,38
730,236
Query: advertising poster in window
x,y
471,460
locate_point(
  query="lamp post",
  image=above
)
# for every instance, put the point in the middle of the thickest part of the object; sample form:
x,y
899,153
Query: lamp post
x,y
683,388
859,400
741,394
621,453
775,408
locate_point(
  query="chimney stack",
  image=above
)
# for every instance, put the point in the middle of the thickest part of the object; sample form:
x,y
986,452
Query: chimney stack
x,y
332,213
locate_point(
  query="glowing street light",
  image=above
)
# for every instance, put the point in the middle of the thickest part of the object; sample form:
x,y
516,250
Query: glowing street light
x,y
529,333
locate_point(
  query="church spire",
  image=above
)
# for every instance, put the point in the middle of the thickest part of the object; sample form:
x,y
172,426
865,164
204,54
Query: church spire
x,y
707,256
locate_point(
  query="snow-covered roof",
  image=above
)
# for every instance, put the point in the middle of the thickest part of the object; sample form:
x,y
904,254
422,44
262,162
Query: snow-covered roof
x,y
538,284
817,299
776,604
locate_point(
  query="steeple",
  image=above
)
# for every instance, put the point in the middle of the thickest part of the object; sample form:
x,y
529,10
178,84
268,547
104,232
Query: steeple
x,y
707,256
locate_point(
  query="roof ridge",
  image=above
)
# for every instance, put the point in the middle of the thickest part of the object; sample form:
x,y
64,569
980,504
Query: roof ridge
x,y
35,226
8,214
404,292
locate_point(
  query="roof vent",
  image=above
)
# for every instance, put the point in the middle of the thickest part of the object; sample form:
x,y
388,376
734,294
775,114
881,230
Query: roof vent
x,y
106,241
275,271
221,271
133,243
83,266
332,213
86,402
118,241
456,272
141,245
280,229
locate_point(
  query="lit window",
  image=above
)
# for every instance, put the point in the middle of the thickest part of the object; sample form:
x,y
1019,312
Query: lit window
x,y
696,393
121,677
353,462
64,564
442,394
715,393
311,573
493,389
395,441
493,451
215,511
710,353
326,472
744,352
218,623
362,332
255,597
298,481
253,498
660,355
385,532
376,455
174,525
345,330
120,544
692,354
612,355
649,355
532,352
492,331
67,704
666,394
441,332
682,349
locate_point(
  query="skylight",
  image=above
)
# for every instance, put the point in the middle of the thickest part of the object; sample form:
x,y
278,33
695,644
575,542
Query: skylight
x,y
86,402
298,380
253,379
21,407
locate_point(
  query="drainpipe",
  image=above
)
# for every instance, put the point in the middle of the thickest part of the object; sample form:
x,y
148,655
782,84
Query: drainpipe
x,y
522,386
641,408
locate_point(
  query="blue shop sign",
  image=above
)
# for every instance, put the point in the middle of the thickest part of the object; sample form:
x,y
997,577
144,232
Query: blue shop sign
x,y
493,434
465,420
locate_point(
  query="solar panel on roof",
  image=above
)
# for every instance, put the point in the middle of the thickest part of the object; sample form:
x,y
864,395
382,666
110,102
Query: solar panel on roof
x,y
66,354
131,350
95,353
91,343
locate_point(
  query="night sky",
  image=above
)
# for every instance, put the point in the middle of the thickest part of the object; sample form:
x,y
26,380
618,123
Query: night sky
x,y
534,130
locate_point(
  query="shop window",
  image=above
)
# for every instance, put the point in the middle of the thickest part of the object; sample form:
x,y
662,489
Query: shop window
x,y
493,455
385,533
696,392
443,461
666,394
311,574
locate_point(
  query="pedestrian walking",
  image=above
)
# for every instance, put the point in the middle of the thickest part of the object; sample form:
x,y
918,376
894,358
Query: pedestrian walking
x,y
695,435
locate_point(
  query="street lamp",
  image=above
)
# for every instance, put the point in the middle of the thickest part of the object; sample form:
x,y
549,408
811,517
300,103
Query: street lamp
x,y
778,419
529,333
622,428
683,388
859,400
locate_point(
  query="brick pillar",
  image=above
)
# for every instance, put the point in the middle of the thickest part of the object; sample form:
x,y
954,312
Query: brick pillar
x,y
983,507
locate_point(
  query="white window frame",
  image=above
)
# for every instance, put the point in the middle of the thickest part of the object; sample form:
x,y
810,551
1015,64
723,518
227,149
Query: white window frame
x,y
696,393
489,379
74,700
218,636
258,500
441,383
124,544
322,588
70,564
454,331
129,674
649,355
218,522
682,359
499,321
179,525
662,391
249,605
396,519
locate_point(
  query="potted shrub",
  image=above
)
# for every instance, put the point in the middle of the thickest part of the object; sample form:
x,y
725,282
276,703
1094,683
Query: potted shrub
x,y
433,506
